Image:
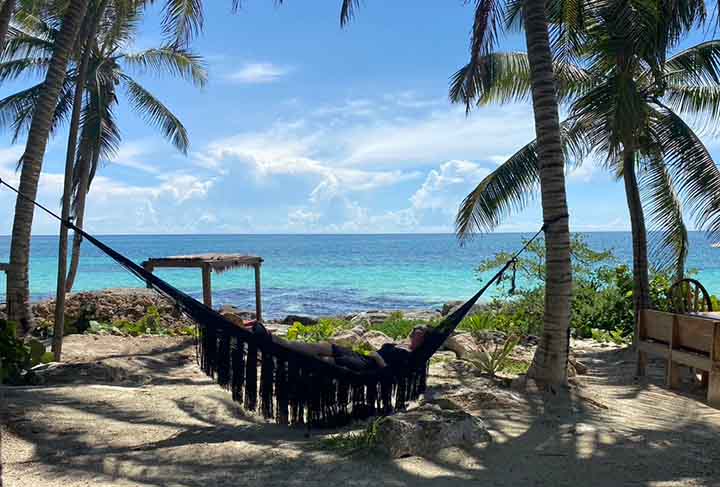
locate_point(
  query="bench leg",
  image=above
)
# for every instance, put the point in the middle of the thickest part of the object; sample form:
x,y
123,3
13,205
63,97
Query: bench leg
x,y
713,395
642,360
674,373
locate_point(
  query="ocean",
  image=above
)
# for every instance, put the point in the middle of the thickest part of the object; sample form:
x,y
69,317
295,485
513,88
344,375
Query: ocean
x,y
324,274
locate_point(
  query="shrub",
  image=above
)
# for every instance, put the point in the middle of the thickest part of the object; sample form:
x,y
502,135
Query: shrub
x,y
492,361
322,331
18,356
397,327
353,442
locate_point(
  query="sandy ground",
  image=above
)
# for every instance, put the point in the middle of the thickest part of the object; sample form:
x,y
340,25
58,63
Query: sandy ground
x,y
166,424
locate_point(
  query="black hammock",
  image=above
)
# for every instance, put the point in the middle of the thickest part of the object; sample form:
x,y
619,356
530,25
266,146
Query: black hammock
x,y
292,387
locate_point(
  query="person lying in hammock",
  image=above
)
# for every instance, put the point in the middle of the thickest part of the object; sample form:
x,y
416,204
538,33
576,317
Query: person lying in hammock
x,y
389,354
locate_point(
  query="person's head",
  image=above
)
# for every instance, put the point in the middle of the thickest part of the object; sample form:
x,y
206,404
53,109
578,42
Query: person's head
x,y
417,336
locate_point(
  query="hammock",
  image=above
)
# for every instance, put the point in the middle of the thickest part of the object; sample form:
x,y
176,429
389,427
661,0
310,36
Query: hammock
x,y
292,387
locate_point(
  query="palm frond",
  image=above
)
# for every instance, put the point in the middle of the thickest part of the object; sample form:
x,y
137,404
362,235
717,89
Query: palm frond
x,y
13,69
695,175
667,230
183,19
171,60
20,44
157,114
698,103
347,11
699,65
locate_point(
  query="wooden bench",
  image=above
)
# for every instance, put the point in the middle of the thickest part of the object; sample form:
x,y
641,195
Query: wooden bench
x,y
684,341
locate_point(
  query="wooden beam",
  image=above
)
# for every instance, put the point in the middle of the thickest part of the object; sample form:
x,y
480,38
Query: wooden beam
x,y
258,294
4,267
148,267
207,285
713,394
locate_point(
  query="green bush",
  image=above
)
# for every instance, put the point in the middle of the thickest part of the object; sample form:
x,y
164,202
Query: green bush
x,y
492,361
150,324
320,332
18,356
602,297
396,326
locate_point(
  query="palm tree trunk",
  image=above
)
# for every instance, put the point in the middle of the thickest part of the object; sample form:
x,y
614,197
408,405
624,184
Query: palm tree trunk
x,y
641,279
549,364
6,13
82,192
18,283
89,35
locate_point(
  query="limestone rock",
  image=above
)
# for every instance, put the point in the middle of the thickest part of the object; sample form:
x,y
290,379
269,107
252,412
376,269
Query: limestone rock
x,y
463,344
377,339
369,318
304,320
427,429
451,306
350,338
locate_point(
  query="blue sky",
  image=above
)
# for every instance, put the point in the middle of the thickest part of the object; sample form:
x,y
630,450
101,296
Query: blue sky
x,y
308,128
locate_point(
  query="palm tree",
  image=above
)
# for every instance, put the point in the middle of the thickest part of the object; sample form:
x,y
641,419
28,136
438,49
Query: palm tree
x,y
102,70
6,12
182,19
626,103
550,361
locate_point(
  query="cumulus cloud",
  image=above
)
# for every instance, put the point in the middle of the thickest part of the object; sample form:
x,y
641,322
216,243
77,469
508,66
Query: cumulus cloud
x,y
256,73
446,186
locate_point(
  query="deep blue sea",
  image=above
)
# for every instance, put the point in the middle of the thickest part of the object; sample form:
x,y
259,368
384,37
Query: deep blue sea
x,y
323,274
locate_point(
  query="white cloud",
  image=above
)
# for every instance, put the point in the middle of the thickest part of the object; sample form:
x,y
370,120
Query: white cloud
x,y
253,73
444,188
130,155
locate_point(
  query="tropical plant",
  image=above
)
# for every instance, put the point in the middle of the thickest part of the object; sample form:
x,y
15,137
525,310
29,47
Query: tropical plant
x,y
491,361
102,69
550,361
626,102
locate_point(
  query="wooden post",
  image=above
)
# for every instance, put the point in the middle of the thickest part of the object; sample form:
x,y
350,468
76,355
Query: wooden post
x,y
258,291
674,370
713,394
641,366
207,285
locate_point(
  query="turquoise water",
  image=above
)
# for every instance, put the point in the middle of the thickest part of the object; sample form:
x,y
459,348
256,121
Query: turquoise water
x,y
323,274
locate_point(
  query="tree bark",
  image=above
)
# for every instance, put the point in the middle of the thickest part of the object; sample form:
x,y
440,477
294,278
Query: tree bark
x,y
549,364
82,192
88,34
6,13
18,284
641,279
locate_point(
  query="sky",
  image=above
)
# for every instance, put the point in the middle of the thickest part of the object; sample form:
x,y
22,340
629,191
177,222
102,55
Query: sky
x,y
305,127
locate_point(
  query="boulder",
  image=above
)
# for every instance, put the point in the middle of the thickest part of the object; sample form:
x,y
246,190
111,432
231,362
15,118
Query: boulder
x,y
427,429
369,318
304,320
463,344
376,339
350,338
451,306
237,316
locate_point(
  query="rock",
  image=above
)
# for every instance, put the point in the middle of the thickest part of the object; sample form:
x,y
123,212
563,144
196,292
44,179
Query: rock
x,y
369,318
376,339
490,337
578,367
463,344
478,397
451,306
304,320
350,338
237,314
427,429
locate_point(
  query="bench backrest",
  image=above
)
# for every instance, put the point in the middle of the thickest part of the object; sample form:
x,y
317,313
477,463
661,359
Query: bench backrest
x,y
692,332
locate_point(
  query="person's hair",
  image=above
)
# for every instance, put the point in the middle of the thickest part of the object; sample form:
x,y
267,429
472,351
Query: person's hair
x,y
423,328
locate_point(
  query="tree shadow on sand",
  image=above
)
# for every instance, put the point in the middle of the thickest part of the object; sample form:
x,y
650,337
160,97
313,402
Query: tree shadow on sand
x,y
193,435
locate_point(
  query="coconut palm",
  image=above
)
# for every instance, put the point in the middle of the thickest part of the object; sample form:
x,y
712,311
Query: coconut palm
x,y
626,104
107,69
550,361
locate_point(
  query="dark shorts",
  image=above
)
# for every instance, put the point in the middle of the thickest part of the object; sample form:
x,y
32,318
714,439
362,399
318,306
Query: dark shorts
x,y
351,360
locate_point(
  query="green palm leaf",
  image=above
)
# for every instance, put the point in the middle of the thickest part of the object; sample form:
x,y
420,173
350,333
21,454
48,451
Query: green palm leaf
x,y
172,60
157,114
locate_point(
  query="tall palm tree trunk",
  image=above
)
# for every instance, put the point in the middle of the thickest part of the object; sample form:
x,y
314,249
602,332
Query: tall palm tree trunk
x,y
89,35
82,191
550,362
6,12
641,279
18,284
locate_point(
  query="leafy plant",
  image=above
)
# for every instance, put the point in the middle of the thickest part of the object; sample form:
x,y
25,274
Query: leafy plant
x,y
397,326
353,442
482,321
321,331
18,356
492,361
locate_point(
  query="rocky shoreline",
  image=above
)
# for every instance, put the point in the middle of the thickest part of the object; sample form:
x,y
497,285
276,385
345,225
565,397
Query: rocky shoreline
x,y
130,304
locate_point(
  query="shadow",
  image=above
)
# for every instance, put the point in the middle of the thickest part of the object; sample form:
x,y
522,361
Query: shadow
x,y
609,432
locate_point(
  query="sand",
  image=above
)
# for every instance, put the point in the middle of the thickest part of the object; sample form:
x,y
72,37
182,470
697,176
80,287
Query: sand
x,y
166,424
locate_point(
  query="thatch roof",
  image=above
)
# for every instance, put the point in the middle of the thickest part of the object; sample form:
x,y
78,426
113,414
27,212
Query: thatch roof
x,y
217,262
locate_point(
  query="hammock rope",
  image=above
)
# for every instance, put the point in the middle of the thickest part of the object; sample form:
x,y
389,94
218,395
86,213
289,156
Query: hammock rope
x,y
291,387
